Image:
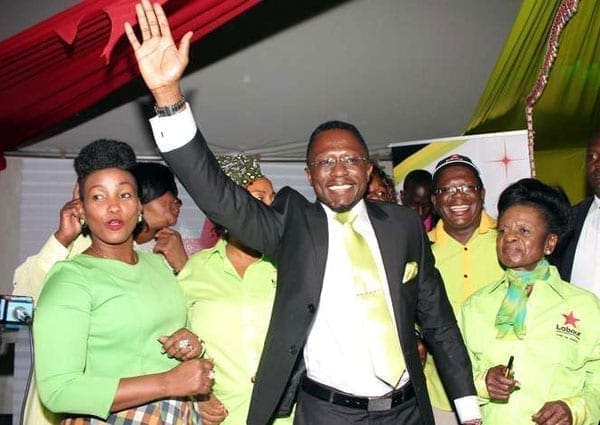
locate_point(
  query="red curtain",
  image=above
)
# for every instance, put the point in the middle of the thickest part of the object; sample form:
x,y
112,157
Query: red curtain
x,y
59,67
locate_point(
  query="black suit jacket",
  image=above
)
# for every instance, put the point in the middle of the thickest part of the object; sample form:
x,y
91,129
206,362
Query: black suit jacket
x,y
565,255
293,232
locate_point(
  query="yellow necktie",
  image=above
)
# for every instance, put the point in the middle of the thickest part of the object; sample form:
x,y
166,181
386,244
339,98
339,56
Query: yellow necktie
x,y
382,335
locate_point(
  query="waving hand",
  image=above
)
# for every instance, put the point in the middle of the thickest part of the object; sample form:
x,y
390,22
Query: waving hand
x,y
160,62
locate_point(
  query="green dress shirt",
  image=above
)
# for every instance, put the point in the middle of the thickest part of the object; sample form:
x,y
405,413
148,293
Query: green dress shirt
x,y
97,321
464,269
231,314
558,359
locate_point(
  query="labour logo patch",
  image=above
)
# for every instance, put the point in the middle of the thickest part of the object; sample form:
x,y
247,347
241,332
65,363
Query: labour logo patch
x,y
567,328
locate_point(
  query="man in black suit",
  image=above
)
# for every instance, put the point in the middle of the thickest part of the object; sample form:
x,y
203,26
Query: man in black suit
x,y
577,259
316,348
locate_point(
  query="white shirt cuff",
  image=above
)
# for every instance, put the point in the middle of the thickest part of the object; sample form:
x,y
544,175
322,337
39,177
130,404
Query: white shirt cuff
x,y
174,131
467,408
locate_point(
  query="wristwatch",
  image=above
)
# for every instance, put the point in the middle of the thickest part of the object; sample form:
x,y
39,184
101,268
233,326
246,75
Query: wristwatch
x,y
168,110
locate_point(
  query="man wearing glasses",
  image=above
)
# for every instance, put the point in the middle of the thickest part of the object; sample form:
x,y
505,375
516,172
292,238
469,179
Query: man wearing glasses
x,y
353,276
464,247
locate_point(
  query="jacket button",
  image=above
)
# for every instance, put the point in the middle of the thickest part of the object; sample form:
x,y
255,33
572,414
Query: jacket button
x,y
293,349
311,308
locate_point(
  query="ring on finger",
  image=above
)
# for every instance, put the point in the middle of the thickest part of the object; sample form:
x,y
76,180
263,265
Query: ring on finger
x,y
183,344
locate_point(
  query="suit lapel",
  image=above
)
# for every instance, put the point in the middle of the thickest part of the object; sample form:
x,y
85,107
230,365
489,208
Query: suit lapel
x,y
580,213
317,228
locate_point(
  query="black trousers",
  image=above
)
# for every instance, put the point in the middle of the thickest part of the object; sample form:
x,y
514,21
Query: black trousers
x,y
313,411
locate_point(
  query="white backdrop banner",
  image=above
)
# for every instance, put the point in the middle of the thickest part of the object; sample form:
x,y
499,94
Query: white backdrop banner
x,y
502,158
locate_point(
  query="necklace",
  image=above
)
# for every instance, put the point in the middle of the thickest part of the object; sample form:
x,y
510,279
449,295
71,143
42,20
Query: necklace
x,y
98,253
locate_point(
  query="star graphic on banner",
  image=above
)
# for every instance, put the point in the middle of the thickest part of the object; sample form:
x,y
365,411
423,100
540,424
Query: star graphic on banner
x,y
505,160
570,319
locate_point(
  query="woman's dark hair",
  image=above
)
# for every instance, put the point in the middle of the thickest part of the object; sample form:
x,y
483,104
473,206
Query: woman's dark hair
x,y
154,180
547,200
99,155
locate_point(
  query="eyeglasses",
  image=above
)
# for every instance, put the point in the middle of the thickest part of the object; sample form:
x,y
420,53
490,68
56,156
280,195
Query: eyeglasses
x,y
346,161
466,189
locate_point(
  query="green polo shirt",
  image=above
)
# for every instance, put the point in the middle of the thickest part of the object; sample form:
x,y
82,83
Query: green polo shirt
x,y
464,269
558,359
231,314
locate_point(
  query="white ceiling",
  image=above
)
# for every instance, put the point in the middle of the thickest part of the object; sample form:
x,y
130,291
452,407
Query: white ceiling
x,y
398,69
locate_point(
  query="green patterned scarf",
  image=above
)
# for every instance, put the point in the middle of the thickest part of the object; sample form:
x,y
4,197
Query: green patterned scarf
x,y
511,315
241,168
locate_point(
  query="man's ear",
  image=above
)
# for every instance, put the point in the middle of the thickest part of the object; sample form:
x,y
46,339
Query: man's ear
x,y
434,201
308,176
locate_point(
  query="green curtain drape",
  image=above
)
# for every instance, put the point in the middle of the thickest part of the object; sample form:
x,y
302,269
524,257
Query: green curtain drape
x,y
568,111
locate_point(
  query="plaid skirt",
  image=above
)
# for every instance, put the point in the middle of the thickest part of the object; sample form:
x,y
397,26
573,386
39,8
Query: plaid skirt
x,y
164,412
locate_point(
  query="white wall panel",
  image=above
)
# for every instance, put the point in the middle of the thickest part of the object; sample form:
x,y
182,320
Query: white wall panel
x,y
48,183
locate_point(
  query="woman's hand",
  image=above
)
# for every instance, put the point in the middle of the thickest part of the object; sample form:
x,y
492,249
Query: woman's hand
x,y
70,214
212,410
553,413
170,245
190,378
160,62
499,387
182,345
422,350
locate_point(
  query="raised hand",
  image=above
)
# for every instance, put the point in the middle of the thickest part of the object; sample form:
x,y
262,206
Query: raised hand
x,y
160,62
70,214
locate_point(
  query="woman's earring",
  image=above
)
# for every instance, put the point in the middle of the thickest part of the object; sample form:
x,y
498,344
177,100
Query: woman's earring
x,y
82,222
140,217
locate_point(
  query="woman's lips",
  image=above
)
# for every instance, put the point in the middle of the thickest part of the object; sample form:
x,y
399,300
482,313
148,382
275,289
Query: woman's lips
x,y
115,224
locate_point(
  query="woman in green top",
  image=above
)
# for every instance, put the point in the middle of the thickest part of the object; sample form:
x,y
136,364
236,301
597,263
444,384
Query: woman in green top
x,y
230,290
110,341
532,337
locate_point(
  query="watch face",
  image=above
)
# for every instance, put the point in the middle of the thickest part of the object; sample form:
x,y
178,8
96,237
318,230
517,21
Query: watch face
x,y
165,111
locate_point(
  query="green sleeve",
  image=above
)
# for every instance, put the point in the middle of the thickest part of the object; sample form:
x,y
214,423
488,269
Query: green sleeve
x,y
61,334
585,407
481,365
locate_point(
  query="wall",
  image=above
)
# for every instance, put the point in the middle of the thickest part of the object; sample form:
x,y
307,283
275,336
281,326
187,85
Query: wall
x,y
564,168
10,194
32,191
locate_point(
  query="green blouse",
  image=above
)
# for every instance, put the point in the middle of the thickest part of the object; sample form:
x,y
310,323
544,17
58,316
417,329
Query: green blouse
x,y
231,314
97,321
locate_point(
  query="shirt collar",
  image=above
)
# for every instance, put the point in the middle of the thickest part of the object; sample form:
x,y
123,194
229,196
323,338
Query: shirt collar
x,y
597,201
554,282
219,248
360,208
438,233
